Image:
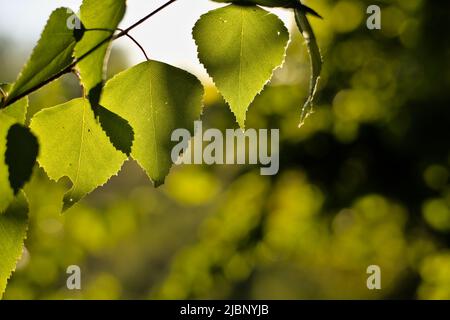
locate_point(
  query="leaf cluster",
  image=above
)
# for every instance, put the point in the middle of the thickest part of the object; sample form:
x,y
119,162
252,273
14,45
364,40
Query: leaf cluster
x,y
88,139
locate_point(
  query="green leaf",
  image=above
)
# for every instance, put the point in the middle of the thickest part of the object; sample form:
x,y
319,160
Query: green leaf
x,y
274,4
21,145
100,20
156,99
18,152
17,110
74,145
265,3
240,46
316,60
6,192
13,228
52,54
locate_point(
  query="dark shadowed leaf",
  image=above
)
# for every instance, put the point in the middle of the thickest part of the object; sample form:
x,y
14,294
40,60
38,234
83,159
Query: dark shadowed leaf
x,y
21,152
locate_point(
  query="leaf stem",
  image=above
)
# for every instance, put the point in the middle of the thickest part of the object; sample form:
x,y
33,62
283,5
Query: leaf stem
x,y
69,68
137,43
127,35
2,92
3,97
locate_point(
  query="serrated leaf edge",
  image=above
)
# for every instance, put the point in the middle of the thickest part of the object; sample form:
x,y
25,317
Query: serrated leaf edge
x,y
65,176
280,66
156,183
21,249
13,86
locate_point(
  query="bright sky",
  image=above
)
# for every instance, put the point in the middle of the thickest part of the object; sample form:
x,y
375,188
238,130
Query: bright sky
x,y
166,36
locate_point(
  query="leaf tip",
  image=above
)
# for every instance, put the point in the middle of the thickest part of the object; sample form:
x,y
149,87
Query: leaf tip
x,y
158,183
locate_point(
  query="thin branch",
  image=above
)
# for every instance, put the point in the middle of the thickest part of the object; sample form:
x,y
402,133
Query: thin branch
x,y
137,43
3,98
69,68
2,92
151,14
126,35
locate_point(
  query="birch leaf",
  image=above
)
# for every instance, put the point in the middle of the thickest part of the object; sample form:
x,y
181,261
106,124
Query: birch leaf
x,y
240,46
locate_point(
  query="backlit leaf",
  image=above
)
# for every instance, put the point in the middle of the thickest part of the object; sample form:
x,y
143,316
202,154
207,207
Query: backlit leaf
x,y
17,110
13,228
240,46
6,192
52,54
74,145
100,20
155,98
265,3
274,4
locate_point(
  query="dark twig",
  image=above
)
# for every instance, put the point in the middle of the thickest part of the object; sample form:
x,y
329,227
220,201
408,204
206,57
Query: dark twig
x,y
137,43
2,92
126,35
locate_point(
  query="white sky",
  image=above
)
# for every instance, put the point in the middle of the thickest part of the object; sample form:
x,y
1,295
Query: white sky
x,y
166,36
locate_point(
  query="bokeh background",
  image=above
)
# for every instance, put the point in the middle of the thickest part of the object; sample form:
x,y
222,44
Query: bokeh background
x,y
365,181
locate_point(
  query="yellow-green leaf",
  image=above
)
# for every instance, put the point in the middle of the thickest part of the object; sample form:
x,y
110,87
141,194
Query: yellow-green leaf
x,y
17,110
240,46
265,3
18,152
155,98
274,4
100,20
74,145
13,228
52,54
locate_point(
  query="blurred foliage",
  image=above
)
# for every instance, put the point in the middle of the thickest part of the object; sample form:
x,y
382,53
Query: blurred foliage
x,y
365,181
